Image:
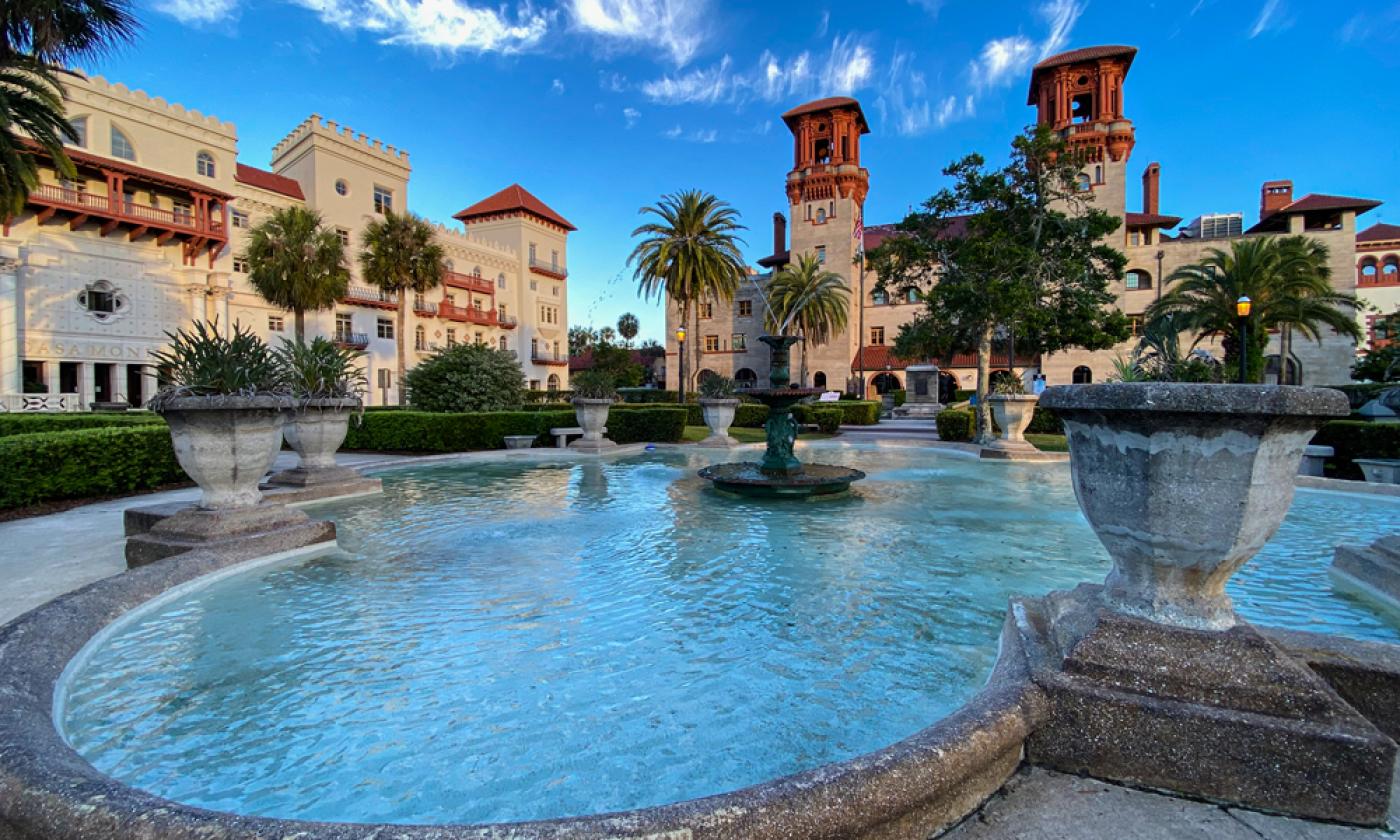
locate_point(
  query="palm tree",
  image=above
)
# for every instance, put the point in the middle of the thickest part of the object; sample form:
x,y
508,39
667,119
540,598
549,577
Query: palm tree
x,y
628,326
295,263
402,255
807,296
37,39
1288,282
691,255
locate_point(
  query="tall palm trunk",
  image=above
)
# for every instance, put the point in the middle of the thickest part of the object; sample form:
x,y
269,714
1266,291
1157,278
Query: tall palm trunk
x,y
299,317
399,348
984,375
802,382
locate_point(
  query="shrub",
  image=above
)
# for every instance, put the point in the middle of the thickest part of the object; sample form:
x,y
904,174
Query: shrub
x,y
716,387
1354,439
900,397
1045,422
647,425
202,362
828,420
963,394
594,385
533,397
857,412
87,462
647,395
321,370
28,424
424,431
955,425
466,377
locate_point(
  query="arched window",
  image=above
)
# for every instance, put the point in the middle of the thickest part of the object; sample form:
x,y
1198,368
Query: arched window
x,y
745,378
1368,270
121,146
1083,183
476,272
885,383
553,382
819,380
204,164
501,280
1082,375
821,215
449,265
504,346
703,375
1390,268
1138,279
1295,372
77,134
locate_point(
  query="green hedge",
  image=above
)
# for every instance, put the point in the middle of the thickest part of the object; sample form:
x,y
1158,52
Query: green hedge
x,y
1045,422
30,424
647,395
47,466
955,425
422,431
828,420
1354,439
900,397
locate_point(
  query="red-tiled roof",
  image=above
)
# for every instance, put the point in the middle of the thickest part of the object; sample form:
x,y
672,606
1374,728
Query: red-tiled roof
x,y
1076,56
513,198
270,181
1379,232
775,260
1150,220
880,356
825,105
80,157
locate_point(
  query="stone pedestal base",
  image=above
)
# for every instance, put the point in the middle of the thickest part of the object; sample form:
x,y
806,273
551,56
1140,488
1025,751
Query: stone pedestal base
x,y
247,532
302,477
919,410
297,485
1226,716
719,441
585,445
1373,570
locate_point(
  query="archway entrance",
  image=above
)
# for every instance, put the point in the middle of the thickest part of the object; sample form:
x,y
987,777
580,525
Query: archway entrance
x,y
885,383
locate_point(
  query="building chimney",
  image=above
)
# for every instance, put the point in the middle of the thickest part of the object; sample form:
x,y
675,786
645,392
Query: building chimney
x,y
779,233
1152,189
1274,196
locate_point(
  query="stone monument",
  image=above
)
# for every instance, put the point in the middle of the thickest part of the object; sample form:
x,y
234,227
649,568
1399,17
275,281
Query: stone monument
x,y
921,393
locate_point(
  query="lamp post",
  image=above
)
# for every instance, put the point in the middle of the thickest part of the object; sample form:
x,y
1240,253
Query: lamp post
x,y
1242,307
680,363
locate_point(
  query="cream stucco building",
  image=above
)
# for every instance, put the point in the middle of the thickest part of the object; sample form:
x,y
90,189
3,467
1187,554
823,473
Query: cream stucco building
x,y
1079,94
150,237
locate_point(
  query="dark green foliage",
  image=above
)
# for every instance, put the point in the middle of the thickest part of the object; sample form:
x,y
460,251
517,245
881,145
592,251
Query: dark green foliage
x,y
201,362
28,424
1045,422
1352,439
646,395
857,412
616,362
1360,393
900,396
538,397
467,377
321,370
297,263
1381,365
717,387
87,462
828,420
963,394
955,425
422,431
594,385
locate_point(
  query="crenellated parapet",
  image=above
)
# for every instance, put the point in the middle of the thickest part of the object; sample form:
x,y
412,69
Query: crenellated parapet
x,y
95,91
466,250
315,127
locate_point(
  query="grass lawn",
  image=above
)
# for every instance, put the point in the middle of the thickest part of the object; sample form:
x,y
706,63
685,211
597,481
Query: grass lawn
x,y
1049,443
695,434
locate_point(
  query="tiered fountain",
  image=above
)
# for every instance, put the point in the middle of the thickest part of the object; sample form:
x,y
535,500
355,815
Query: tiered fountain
x,y
780,474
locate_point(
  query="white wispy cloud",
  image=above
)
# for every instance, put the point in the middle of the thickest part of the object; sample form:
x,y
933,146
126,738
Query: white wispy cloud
x,y
198,11
631,115
903,100
441,24
556,87
823,25
1273,16
847,67
1003,60
933,7
678,26
673,132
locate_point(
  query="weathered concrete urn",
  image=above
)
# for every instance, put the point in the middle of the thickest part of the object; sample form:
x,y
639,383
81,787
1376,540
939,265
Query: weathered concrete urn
x,y
1012,413
719,416
316,429
226,444
592,417
1183,483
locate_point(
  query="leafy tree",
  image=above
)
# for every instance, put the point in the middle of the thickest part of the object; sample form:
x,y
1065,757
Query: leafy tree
x,y
38,38
807,296
628,326
581,338
467,377
296,263
1016,248
1287,281
617,363
690,254
401,254
607,335
1383,364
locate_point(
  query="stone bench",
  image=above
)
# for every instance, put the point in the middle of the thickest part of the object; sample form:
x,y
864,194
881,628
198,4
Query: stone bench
x,y
563,433
1380,470
520,441
1314,457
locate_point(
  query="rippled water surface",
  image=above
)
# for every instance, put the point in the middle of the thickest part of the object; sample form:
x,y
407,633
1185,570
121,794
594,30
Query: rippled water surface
x,y
532,640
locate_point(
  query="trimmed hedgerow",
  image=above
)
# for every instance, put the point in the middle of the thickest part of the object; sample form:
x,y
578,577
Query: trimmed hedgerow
x,y
1352,439
828,420
31,424
1045,422
955,425
47,466
424,431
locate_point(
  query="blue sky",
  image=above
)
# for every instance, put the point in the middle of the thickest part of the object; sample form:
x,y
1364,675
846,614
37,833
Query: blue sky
x,y
600,106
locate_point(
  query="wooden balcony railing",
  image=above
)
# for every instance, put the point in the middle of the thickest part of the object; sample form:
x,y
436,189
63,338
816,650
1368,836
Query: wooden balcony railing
x,y
467,314
371,296
118,208
470,282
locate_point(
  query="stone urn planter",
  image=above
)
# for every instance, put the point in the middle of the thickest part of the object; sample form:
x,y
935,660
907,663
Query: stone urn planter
x,y
592,417
226,444
719,416
1012,413
316,429
1183,483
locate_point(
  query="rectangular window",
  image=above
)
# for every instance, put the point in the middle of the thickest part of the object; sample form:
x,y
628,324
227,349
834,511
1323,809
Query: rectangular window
x,y
240,265
240,219
419,302
879,297
384,328
532,253
275,323
344,326
745,308
911,296
707,310
1135,238
877,335
344,237
711,344
420,339
451,300
534,286
1135,325
451,337
821,253
480,338
504,345
738,342
556,291
554,260
501,281
383,200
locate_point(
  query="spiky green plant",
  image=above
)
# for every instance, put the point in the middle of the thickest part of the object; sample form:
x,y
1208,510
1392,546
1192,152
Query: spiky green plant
x,y
716,387
201,362
322,370
593,385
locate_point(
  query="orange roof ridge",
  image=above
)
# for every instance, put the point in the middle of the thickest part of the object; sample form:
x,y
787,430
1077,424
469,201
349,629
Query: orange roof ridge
x,y
513,198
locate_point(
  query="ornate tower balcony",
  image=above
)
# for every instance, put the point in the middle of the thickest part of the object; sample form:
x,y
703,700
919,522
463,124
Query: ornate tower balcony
x,y
1080,95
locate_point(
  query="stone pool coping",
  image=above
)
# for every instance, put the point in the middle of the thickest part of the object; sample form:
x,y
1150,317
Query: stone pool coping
x,y
917,786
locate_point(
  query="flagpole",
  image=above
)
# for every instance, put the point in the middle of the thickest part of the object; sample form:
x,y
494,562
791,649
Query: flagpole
x,y
860,317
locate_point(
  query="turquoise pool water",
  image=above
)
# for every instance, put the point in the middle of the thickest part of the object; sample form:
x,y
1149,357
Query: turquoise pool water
x,y
531,640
